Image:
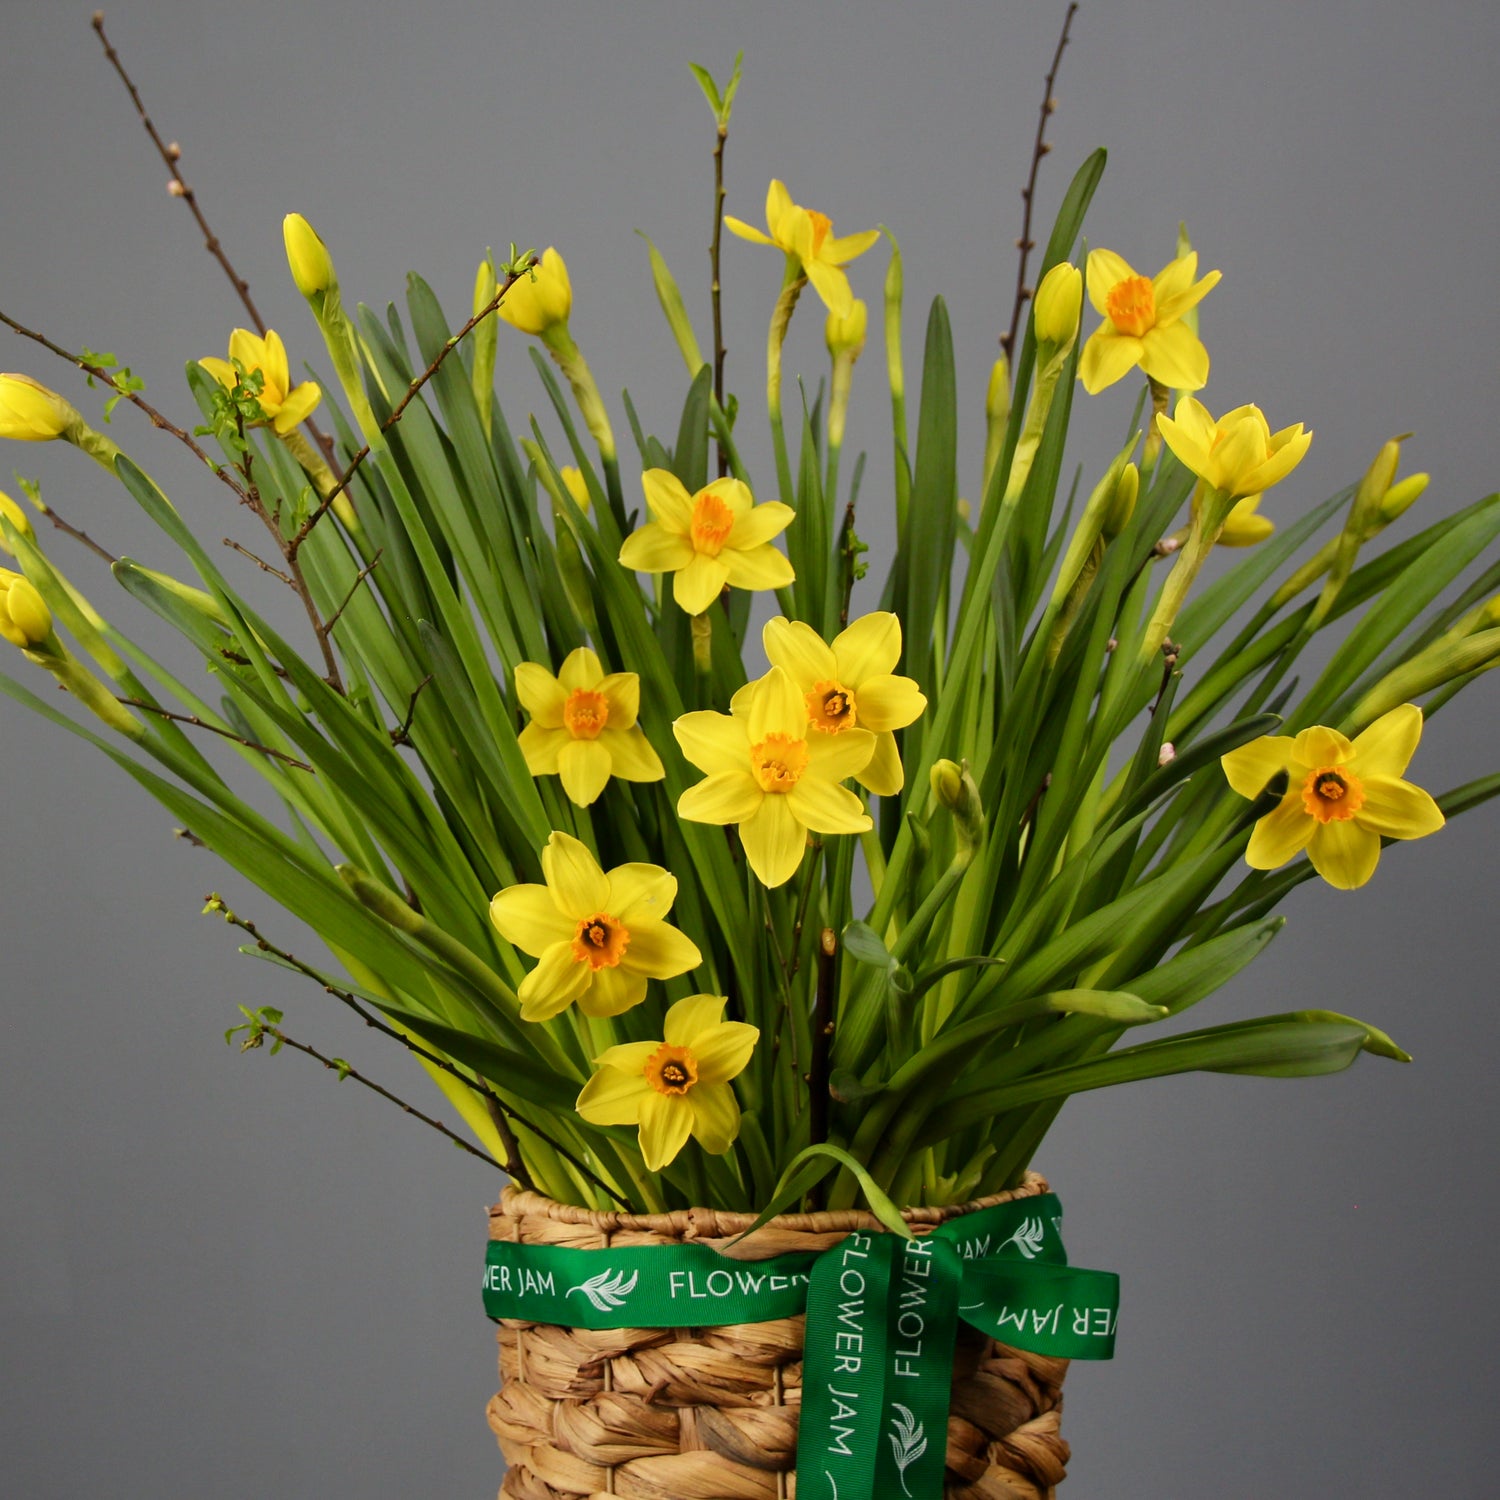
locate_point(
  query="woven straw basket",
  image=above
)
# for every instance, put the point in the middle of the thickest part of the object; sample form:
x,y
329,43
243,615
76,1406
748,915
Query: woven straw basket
x,y
711,1414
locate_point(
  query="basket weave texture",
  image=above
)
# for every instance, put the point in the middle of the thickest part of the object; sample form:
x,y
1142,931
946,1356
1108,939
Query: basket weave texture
x,y
711,1413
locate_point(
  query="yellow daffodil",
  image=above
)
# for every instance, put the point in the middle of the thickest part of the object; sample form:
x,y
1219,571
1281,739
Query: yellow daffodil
x,y
1342,797
1244,526
599,937
285,406
31,413
677,1087
25,620
1059,300
541,298
1143,323
1238,455
718,536
849,684
770,772
583,726
307,257
803,234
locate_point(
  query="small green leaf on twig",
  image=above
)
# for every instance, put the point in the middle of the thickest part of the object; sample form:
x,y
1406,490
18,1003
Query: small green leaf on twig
x,y
721,104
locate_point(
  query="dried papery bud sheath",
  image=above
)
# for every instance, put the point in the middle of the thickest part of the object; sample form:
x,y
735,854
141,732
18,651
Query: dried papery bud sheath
x,y
31,413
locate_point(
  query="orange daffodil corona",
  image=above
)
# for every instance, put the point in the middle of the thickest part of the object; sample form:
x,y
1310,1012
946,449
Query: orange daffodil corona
x,y
285,406
1143,323
718,536
804,236
677,1087
599,937
1342,796
583,726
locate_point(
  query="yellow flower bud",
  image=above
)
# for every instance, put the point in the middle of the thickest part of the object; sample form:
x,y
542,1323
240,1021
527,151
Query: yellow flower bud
x,y
1122,506
541,298
954,788
1401,495
25,620
1059,300
846,334
573,480
997,397
1376,481
32,413
307,255
947,779
17,518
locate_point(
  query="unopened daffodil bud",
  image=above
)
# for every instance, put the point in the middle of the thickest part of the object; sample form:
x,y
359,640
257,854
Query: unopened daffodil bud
x,y
955,790
25,620
573,482
1401,495
844,333
1122,506
996,415
31,413
308,257
1059,300
16,517
483,340
542,297
1377,480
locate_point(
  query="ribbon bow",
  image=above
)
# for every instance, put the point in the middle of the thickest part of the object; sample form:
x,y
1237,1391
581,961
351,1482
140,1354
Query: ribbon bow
x,y
882,1320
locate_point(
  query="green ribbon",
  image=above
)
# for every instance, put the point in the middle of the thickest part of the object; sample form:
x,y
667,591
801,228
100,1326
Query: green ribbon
x,y
882,1319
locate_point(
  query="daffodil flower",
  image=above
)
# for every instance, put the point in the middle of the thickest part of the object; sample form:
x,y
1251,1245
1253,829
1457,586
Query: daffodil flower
x,y
599,937
583,726
677,1087
849,684
285,406
1143,323
718,536
1342,797
803,234
31,413
541,298
774,775
1238,455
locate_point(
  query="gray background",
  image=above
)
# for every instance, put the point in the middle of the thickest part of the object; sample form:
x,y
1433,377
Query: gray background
x,y
227,1276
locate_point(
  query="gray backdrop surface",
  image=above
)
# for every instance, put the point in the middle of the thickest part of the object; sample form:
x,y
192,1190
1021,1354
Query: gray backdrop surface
x,y
229,1276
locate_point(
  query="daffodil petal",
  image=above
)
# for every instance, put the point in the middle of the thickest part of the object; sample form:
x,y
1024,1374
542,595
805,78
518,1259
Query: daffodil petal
x,y
734,493
833,757
1385,748
832,285
654,549
556,982
798,649
746,231
298,407
1171,304
220,369
760,568
759,525
613,1095
713,742
1344,854
697,585
641,893
691,1019
869,647
580,669
1191,451
774,841
1279,835
1284,457
776,707
839,251
885,703
1173,280
666,1123
1107,356
274,366
611,992
1396,809
585,767
778,204
541,694
622,692
827,807
716,1116
659,952
884,776
631,1058
1106,270
1174,355
631,755
1249,767
1320,746
726,797
667,499
1194,423
527,917
541,746
579,887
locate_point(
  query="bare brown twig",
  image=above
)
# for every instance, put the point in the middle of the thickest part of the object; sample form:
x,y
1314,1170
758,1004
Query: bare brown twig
x,y
713,253
359,578
259,562
78,535
1026,244
402,735
228,734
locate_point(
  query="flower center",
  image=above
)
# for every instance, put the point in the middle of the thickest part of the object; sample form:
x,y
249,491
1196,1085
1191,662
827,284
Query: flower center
x,y
671,1070
830,707
1332,794
821,224
1131,305
600,941
712,523
778,761
585,713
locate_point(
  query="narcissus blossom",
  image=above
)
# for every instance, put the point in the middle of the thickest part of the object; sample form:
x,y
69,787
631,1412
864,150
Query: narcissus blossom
x,y
1143,323
541,297
770,772
32,413
285,406
677,1087
718,536
804,235
25,620
1238,455
1342,796
849,684
599,937
583,726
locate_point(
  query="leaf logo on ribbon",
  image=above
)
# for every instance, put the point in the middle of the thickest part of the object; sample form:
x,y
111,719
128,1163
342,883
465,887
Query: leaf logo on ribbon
x,y
608,1290
1028,1238
908,1441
